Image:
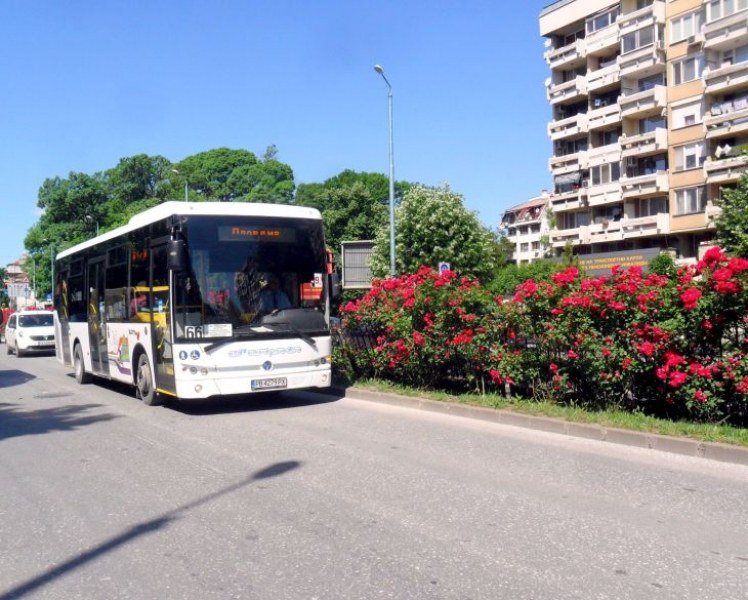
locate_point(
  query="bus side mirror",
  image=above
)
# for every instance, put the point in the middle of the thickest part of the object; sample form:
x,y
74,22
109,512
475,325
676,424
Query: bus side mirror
x,y
335,288
176,251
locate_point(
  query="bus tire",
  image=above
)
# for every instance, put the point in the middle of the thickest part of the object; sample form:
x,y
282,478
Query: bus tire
x,y
80,368
144,382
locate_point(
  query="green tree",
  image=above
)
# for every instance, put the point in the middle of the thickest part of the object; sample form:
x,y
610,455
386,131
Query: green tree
x,y
433,225
208,173
732,223
353,204
267,181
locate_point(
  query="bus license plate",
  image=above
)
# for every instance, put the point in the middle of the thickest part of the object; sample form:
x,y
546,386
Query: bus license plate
x,y
271,383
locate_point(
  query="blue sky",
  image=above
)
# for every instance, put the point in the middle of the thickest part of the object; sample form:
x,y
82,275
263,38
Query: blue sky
x,y
84,84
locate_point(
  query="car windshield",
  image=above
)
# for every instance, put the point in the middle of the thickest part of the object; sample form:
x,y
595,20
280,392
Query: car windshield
x,y
35,321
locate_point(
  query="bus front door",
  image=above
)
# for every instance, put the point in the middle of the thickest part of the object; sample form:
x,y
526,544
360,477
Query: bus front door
x,y
96,317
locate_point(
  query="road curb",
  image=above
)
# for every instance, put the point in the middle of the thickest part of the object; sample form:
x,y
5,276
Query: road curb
x,y
674,445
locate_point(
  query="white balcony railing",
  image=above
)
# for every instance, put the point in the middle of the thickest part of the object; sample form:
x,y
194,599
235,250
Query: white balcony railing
x,y
721,78
567,127
603,116
653,224
723,33
609,193
641,186
603,77
560,57
602,39
725,170
568,90
651,15
648,58
646,143
653,99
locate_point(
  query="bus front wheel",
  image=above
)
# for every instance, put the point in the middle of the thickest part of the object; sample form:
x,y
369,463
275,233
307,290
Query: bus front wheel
x,y
144,383
80,369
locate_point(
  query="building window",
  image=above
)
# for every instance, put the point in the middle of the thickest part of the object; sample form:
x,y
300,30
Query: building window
x,y
606,173
688,69
716,9
648,83
649,207
649,124
602,20
687,114
690,200
685,26
637,39
689,156
734,56
524,247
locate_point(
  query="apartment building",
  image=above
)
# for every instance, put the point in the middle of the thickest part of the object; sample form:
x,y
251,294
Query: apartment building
x,y
526,226
649,102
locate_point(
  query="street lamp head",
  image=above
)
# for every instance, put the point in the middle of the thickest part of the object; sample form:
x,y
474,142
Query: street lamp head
x,y
379,69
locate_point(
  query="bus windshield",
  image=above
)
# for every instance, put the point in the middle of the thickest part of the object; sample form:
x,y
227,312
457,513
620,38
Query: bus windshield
x,y
250,276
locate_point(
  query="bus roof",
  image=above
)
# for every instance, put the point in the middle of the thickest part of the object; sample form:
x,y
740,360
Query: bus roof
x,y
173,208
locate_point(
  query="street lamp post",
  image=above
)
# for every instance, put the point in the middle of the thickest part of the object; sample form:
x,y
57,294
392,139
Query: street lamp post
x,y
380,70
186,196
52,271
91,219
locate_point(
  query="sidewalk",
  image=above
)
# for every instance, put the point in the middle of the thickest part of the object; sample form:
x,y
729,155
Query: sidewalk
x,y
663,443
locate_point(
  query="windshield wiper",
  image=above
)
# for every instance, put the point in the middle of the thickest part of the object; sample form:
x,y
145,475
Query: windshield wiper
x,y
304,336
217,344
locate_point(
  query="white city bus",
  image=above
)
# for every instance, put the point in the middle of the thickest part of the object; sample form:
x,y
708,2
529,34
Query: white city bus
x,y
172,302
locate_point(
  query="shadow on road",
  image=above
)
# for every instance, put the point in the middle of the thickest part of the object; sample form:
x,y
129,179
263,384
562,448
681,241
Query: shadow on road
x,y
11,377
231,404
250,403
16,421
138,530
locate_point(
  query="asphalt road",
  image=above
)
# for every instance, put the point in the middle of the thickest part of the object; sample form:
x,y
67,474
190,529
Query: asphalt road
x,y
298,496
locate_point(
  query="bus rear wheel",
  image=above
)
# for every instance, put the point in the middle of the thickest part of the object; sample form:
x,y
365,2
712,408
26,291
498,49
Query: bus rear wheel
x,y
80,369
144,383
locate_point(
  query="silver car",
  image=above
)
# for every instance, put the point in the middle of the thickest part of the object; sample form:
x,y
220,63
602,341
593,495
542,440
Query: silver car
x,y
30,331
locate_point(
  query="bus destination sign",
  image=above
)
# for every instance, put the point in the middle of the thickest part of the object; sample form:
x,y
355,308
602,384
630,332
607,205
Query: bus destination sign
x,y
253,233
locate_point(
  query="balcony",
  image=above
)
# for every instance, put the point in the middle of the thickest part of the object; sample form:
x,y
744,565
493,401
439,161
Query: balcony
x,y
642,104
727,118
602,40
568,163
649,16
643,61
560,237
567,56
603,154
567,127
604,231
725,170
603,78
609,193
722,78
572,200
642,226
574,89
722,33
641,186
604,116
645,143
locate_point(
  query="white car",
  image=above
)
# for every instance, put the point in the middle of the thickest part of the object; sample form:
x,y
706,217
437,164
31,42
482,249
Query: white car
x,y
30,331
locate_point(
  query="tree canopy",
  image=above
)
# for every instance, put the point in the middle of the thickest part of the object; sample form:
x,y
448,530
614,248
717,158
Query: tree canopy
x,y
732,223
431,226
353,204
